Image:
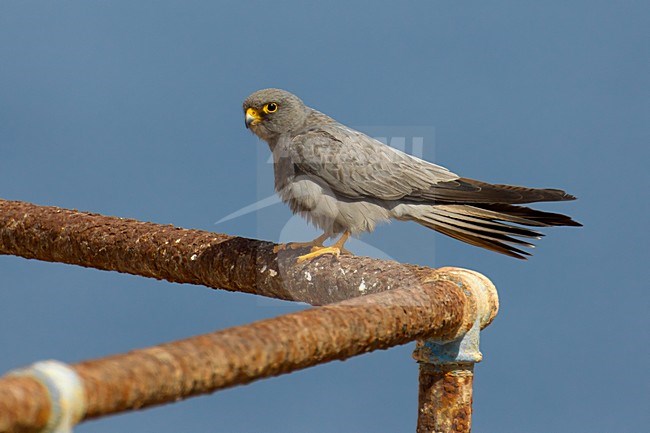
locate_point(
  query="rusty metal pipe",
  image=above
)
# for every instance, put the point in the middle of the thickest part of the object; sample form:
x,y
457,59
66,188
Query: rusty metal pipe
x,y
447,367
445,398
239,355
456,302
192,256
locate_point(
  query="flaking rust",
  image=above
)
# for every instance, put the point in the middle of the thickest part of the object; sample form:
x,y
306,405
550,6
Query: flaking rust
x,y
445,398
401,303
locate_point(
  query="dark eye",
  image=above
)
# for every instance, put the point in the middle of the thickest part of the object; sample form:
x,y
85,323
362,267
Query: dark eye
x,y
271,107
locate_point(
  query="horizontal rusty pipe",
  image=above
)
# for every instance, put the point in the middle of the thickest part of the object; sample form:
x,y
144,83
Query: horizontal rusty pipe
x,y
436,308
192,256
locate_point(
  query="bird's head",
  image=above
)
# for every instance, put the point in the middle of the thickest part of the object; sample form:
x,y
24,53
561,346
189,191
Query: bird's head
x,y
270,113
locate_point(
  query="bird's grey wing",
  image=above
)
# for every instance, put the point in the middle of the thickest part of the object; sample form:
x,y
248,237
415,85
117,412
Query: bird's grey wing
x,y
354,165
357,166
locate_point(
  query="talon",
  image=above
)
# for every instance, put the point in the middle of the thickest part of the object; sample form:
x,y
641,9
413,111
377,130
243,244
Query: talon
x,y
319,251
336,249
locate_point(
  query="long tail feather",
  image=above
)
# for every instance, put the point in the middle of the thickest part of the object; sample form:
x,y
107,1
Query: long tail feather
x,y
490,226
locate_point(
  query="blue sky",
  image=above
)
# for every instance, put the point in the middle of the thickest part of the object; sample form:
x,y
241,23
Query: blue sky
x,y
133,109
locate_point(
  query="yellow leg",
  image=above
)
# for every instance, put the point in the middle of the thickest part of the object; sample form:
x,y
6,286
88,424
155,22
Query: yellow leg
x,y
335,249
318,242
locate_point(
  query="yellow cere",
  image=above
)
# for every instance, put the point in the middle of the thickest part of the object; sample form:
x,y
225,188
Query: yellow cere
x,y
251,112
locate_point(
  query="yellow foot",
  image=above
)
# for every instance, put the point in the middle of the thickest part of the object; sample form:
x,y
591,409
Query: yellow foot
x,y
337,249
319,251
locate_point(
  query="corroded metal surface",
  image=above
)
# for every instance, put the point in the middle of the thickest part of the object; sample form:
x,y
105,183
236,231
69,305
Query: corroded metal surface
x,y
24,405
404,303
445,398
482,304
192,256
239,355
446,367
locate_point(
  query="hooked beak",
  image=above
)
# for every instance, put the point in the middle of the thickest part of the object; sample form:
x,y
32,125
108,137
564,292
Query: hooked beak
x,y
252,117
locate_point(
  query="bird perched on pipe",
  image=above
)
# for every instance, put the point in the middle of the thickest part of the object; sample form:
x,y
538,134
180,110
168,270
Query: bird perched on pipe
x,y
345,183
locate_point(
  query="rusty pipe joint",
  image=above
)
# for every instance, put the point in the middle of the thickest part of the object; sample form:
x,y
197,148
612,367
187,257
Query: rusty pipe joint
x,y
482,307
447,367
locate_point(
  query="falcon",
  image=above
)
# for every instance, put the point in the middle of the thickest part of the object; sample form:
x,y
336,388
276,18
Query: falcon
x,y
345,183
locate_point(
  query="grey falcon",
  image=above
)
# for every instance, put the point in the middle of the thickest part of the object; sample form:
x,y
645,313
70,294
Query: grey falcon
x,y
345,182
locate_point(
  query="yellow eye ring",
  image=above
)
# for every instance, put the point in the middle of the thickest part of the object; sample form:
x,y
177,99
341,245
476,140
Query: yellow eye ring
x,y
271,107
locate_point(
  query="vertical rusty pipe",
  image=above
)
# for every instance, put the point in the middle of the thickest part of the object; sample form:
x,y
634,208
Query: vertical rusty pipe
x,y
447,367
445,398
